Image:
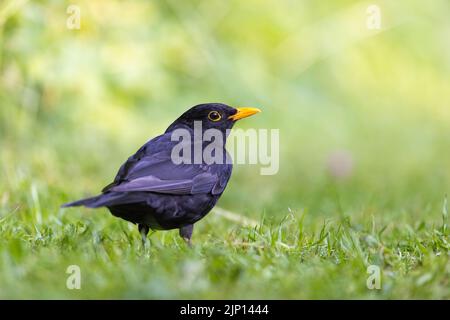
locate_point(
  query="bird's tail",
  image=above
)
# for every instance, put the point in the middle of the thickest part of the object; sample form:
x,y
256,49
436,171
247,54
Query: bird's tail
x,y
94,202
107,199
88,202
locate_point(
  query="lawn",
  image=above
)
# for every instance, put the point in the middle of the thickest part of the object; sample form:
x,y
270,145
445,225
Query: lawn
x,y
364,162
288,258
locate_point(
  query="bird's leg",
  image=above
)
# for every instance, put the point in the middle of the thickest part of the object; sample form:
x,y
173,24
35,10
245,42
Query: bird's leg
x,y
143,230
186,233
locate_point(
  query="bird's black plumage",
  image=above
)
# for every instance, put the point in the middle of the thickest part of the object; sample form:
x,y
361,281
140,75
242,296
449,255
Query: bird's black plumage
x,y
155,193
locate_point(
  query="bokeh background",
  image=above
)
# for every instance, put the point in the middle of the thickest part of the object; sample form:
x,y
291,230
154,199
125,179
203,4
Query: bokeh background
x,y
363,114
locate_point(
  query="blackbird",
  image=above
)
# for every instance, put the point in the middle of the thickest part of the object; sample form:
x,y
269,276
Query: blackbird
x,y
155,192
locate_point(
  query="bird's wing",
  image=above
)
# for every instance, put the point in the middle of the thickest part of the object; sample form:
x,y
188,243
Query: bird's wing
x,y
202,183
151,169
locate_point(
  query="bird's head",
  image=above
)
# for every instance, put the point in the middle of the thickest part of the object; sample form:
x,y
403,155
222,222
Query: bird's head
x,y
212,116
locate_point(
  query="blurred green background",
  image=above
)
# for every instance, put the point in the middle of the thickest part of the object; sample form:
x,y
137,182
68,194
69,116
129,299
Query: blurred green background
x,y
74,104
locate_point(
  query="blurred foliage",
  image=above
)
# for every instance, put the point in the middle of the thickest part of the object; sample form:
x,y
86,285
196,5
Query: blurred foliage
x,y
74,104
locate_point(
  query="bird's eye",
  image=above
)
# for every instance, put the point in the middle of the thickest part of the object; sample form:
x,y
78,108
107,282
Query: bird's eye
x,y
214,116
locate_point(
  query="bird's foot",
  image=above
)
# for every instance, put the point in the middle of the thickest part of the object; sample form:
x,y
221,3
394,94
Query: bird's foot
x,y
143,230
186,233
145,243
188,242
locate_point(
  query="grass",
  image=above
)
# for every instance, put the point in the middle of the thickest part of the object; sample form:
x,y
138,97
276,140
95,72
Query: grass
x,y
296,257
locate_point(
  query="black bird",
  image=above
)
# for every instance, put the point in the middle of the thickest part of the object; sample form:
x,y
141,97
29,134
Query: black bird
x,y
155,192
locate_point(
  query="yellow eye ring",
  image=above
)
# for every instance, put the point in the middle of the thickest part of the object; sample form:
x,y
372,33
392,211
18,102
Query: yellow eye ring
x,y
214,116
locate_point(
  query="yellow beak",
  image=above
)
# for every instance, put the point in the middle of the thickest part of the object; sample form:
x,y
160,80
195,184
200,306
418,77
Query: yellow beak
x,y
243,113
